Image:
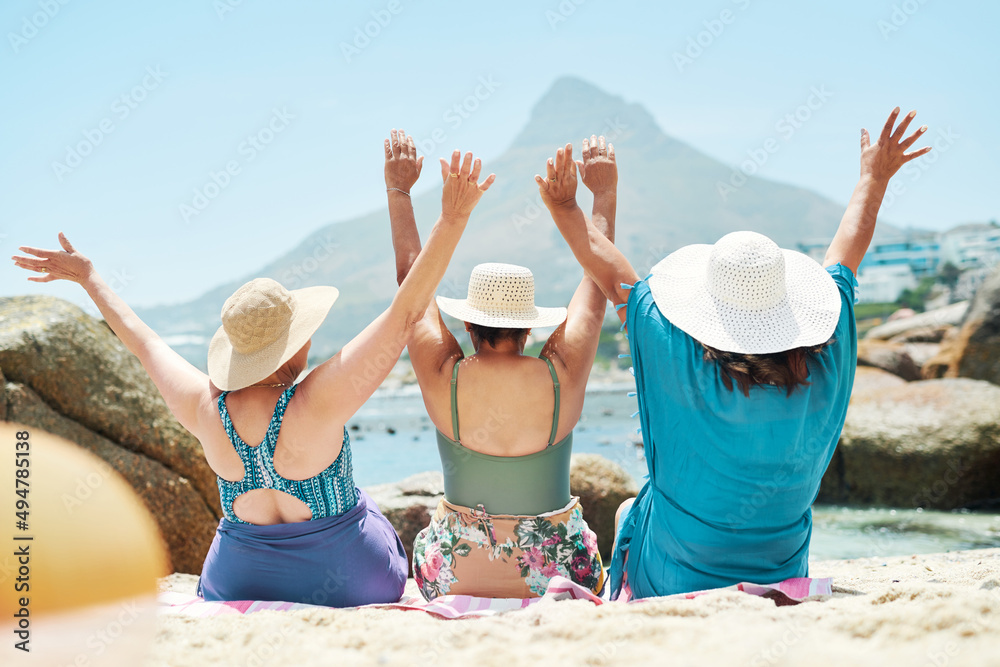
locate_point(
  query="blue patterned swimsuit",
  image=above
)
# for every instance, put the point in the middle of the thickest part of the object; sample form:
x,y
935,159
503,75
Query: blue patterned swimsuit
x,y
330,493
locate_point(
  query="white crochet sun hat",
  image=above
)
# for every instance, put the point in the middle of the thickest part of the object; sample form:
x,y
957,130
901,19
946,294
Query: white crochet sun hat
x,y
501,296
746,295
263,326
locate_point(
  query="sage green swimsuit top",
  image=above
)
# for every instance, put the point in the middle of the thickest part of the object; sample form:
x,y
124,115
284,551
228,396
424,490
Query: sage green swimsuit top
x,y
523,485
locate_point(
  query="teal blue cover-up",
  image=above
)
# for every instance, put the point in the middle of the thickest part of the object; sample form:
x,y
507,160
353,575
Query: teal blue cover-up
x,y
731,478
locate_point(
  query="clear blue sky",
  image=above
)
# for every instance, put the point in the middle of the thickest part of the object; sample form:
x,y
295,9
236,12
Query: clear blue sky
x,y
279,69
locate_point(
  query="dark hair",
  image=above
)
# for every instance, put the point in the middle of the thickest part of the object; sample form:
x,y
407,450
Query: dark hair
x,y
494,335
788,369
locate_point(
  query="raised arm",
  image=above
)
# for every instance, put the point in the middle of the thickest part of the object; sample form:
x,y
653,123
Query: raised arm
x,y
431,344
184,388
598,256
348,379
574,343
402,169
879,162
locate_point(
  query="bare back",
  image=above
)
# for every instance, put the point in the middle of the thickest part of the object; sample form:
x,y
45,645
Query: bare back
x,y
505,404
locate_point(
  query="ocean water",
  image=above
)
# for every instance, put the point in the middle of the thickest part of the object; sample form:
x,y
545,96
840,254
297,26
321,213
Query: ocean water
x,y
392,438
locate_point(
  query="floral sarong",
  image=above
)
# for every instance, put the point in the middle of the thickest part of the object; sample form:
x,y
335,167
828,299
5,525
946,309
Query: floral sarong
x,y
466,551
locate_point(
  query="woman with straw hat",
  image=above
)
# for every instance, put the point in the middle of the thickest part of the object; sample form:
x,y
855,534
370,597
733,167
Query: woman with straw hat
x,y
507,523
296,528
744,358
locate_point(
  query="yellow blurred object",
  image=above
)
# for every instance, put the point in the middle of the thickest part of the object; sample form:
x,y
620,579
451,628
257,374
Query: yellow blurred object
x,y
80,554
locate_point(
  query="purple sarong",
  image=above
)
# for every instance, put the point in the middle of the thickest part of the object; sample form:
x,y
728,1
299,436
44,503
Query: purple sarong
x,y
339,561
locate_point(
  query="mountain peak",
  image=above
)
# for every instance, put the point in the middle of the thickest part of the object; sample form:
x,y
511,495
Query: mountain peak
x,y
570,91
574,108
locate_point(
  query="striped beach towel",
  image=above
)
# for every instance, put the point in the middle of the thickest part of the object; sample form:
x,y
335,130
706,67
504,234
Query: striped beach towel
x,y
791,591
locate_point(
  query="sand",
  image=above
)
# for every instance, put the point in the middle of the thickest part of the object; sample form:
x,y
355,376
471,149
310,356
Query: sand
x,y
939,609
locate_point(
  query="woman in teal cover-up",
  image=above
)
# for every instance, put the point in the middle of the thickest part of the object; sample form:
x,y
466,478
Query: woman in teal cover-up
x,y
744,358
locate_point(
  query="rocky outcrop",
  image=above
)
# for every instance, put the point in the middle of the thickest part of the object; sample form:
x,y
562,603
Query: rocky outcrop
x,y
922,326
186,523
894,358
974,351
67,372
602,486
409,504
871,379
932,444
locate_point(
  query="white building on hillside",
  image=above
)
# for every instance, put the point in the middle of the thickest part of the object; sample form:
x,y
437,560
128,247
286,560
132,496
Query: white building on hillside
x,y
897,262
971,246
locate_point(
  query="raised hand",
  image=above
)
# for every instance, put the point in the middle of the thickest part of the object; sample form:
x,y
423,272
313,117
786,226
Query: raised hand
x,y
883,159
558,188
402,166
598,169
65,264
462,189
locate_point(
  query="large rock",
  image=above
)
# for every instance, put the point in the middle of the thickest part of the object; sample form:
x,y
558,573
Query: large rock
x,y
928,334
409,504
871,379
602,486
974,352
186,523
68,373
921,325
892,357
77,365
933,444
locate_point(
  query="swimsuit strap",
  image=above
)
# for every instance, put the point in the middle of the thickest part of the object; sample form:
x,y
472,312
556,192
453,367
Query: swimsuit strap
x,y
273,427
555,410
454,400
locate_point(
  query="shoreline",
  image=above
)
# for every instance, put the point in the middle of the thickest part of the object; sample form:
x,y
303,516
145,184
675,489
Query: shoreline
x,y
932,609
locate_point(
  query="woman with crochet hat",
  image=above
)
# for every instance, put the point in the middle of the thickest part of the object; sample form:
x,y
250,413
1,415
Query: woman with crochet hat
x,y
296,528
744,358
507,523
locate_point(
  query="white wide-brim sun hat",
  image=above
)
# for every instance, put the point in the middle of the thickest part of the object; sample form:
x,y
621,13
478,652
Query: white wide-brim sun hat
x,y
263,326
746,295
501,296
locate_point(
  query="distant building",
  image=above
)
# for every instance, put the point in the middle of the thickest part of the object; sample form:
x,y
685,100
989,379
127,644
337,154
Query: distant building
x,y
971,246
884,283
897,262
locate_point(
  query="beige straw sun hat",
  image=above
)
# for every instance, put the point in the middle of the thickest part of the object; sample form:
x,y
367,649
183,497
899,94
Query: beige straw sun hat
x,y
263,326
501,296
746,295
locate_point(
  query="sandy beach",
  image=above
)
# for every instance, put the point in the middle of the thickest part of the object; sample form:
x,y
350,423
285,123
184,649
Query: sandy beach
x,y
936,609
